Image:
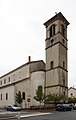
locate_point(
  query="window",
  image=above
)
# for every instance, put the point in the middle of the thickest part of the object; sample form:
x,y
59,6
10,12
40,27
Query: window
x,y
19,74
63,64
40,87
52,30
52,64
52,41
62,30
6,96
0,82
4,81
8,79
14,77
63,82
1,96
64,94
63,41
71,94
23,95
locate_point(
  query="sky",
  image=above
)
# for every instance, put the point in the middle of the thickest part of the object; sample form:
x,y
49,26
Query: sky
x,y
22,32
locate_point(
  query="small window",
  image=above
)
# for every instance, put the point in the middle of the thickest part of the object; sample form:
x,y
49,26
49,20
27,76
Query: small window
x,y
0,82
52,30
63,64
1,96
6,96
4,81
63,41
52,64
23,95
71,94
19,74
64,94
52,41
8,79
14,77
40,87
63,82
62,30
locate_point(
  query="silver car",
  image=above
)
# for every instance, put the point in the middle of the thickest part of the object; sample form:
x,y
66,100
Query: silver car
x,y
13,108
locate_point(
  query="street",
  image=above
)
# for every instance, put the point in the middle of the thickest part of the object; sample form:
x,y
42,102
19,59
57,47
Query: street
x,y
69,115
34,115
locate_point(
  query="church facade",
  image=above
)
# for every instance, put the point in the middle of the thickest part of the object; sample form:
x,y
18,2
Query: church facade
x,y
51,75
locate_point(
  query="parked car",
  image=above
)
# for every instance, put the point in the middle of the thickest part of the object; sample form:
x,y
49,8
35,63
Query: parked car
x,y
63,107
13,108
74,107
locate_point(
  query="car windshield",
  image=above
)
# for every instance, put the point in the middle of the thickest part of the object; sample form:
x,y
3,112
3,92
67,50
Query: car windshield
x,y
59,104
15,105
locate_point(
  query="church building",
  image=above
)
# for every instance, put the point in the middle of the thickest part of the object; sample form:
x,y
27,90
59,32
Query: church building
x,y
51,75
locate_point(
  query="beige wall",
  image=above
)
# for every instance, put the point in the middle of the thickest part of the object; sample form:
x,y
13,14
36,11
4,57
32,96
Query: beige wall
x,y
37,79
57,90
72,92
52,54
52,77
15,75
11,95
26,79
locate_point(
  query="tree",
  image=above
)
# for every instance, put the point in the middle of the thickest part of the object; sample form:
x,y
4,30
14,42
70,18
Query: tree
x,y
49,98
55,98
58,98
40,96
18,97
72,100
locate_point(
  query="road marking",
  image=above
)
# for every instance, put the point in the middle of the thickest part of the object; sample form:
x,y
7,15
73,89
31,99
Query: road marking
x,y
8,117
37,114
8,112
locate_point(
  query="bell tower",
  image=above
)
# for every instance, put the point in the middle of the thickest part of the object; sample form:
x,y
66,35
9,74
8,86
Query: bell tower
x,y
56,55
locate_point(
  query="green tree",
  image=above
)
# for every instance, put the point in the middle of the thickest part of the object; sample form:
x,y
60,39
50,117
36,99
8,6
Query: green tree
x,y
58,98
18,97
71,99
49,98
40,96
55,98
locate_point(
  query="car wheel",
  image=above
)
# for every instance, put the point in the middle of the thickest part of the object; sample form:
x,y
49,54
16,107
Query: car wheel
x,y
64,109
12,110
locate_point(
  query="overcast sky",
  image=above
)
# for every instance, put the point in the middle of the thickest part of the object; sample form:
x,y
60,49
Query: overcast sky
x,y
22,32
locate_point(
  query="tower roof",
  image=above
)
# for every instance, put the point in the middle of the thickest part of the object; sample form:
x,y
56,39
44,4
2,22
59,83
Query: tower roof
x,y
58,16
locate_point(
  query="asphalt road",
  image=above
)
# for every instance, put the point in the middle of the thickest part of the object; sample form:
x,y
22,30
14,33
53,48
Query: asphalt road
x,y
68,115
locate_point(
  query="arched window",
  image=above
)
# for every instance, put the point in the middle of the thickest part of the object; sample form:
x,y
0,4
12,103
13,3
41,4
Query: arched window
x,y
52,41
52,30
71,94
23,95
40,87
62,30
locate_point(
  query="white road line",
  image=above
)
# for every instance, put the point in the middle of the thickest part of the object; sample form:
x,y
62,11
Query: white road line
x,y
37,114
7,118
8,112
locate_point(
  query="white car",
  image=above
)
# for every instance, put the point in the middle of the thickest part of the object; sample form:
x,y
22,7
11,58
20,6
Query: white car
x,y
13,108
